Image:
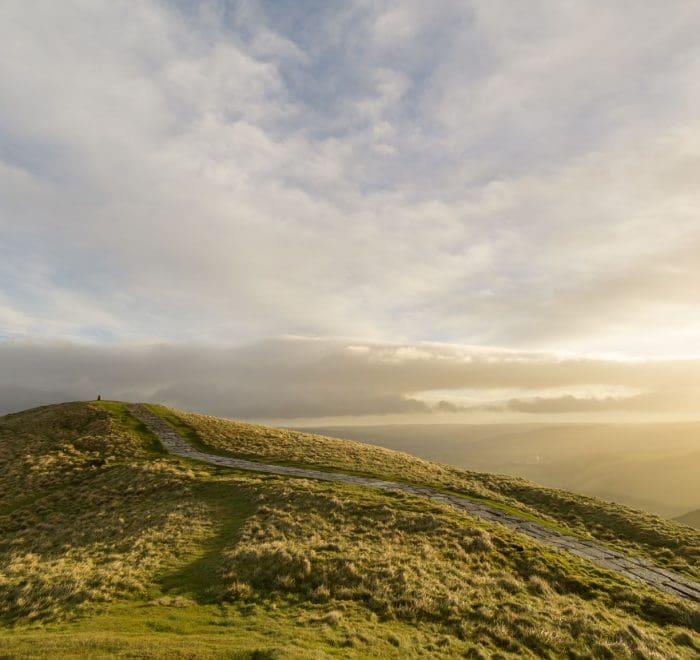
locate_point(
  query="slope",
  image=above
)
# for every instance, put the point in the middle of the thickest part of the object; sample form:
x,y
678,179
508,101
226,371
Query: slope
x,y
630,531
110,547
692,518
649,466
633,568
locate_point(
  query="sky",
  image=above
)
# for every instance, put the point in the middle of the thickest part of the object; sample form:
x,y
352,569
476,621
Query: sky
x,y
306,210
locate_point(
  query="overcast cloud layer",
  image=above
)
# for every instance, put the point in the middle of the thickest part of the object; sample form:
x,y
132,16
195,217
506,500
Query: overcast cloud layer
x,y
307,379
190,176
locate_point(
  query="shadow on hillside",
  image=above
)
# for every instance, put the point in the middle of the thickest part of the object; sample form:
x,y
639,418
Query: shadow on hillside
x,y
200,576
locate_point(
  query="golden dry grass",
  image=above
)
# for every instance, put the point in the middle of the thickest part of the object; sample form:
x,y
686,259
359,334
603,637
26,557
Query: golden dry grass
x,y
109,548
664,542
404,559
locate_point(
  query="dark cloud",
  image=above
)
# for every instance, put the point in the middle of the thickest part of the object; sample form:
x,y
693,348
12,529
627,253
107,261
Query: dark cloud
x,y
14,398
303,378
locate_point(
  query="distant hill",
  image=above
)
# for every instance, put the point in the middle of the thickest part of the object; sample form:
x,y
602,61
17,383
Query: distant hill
x,y
691,518
111,547
653,467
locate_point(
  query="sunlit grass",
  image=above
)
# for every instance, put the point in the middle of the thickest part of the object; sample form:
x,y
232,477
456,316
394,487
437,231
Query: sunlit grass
x,y
117,550
664,542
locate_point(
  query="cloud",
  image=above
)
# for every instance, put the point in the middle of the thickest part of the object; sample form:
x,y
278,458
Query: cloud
x,y
292,378
223,172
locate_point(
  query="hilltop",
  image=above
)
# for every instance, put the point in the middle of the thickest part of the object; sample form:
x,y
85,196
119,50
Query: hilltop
x,y
108,545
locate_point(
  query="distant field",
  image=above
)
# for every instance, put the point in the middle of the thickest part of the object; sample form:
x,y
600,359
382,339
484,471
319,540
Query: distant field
x,y
691,518
654,467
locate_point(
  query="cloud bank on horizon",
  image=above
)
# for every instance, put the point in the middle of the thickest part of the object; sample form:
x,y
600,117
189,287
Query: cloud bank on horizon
x,y
306,379
190,177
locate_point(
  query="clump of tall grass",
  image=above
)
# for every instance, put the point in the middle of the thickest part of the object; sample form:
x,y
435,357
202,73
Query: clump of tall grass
x,y
421,564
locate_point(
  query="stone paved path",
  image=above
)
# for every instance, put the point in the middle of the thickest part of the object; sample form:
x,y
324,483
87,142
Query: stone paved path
x,y
633,568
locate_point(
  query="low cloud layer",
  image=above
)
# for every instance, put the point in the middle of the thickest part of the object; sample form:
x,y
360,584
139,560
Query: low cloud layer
x,y
292,378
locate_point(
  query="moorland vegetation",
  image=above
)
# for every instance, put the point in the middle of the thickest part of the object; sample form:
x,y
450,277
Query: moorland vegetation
x,y
109,546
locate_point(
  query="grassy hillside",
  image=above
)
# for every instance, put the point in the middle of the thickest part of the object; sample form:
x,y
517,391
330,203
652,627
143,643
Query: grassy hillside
x,y
653,467
691,518
110,547
632,531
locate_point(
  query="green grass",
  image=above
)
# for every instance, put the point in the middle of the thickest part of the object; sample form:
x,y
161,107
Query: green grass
x,y
147,629
113,549
521,513
126,420
666,543
195,439
196,574
185,430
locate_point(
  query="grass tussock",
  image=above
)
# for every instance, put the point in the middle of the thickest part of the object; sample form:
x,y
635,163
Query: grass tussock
x,y
423,564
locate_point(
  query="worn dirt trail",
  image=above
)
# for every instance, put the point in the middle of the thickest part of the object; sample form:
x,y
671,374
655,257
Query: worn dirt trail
x,y
633,568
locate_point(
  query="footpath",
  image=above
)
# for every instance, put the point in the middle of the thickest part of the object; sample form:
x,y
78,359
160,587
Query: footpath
x,y
633,568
